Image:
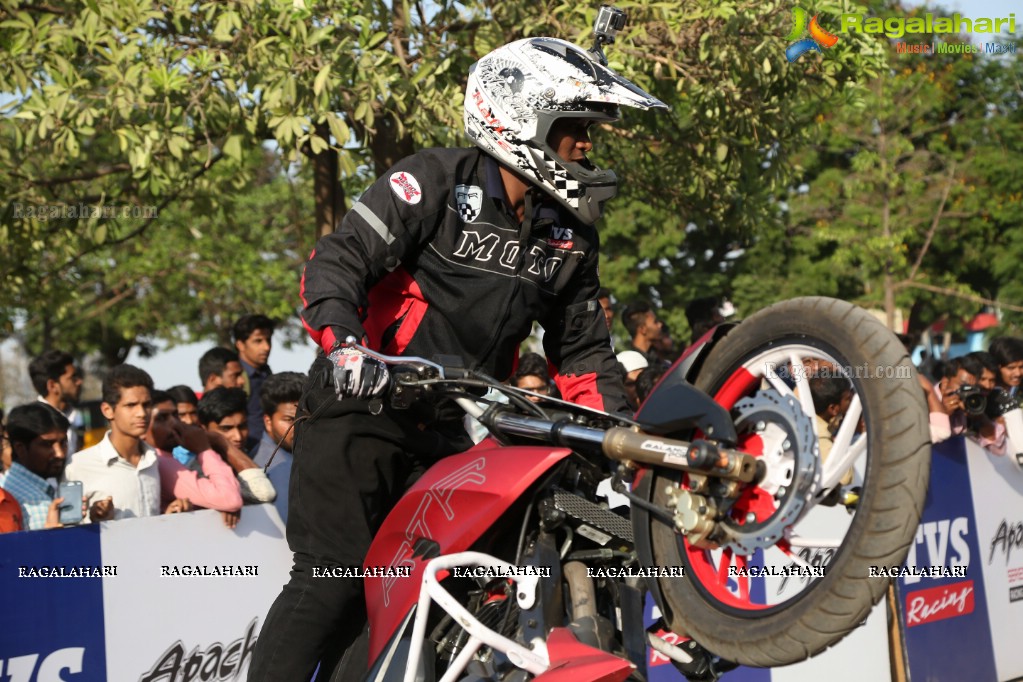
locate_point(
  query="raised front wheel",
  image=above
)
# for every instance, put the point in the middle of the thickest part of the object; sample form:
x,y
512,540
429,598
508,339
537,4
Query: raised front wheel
x,y
786,573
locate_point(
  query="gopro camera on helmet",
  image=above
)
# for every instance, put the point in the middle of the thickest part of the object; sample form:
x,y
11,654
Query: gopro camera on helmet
x,y
610,20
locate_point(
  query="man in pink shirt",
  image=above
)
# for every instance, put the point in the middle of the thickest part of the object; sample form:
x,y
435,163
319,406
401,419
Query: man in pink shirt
x,y
217,488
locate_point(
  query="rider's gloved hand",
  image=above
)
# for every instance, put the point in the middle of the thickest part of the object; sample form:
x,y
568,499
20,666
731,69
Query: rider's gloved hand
x,y
356,375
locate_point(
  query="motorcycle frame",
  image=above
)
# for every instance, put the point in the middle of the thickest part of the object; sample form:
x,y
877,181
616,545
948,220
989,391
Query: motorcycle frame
x,y
533,660
518,468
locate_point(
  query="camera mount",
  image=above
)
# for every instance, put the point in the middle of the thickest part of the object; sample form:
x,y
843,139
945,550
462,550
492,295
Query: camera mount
x,y
610,20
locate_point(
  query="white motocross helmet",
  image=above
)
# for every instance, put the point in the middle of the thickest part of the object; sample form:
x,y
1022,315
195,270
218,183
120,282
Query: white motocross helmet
x,y
517,92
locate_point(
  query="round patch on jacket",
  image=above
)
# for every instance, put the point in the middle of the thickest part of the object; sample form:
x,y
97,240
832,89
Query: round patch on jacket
x,y
406,187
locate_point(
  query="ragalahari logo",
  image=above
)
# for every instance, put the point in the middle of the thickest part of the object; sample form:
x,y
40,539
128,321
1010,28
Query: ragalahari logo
x,y
819,38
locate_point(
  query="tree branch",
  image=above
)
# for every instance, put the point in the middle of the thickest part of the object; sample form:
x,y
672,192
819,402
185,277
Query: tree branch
x,y
47,9
399,36
97,309
145,223
107,170
906,284
935,222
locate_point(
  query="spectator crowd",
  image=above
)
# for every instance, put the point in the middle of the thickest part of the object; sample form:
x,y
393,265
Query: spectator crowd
x,y
166,451
170,450
976,395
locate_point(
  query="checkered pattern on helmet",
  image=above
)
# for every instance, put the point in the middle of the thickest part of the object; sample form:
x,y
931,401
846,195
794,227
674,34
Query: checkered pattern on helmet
x,y
565,186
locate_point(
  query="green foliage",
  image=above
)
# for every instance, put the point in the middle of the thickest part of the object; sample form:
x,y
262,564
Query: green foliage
x,y
704,181
189,276
168,107
153,108
895,200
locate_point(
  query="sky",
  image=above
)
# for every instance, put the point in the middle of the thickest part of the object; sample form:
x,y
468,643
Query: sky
x,y
180,365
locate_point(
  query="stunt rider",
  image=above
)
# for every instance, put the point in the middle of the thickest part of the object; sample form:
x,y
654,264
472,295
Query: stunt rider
x,y
450,252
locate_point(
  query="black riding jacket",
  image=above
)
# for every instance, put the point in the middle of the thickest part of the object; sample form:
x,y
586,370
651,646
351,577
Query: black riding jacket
x,y
430,262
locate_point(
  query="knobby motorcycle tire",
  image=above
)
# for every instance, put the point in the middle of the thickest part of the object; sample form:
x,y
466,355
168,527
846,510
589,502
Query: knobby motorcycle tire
x,y
892,498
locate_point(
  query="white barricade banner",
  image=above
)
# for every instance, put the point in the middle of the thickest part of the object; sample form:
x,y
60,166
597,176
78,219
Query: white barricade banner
x,y
161,599
997,486
213,586
962,623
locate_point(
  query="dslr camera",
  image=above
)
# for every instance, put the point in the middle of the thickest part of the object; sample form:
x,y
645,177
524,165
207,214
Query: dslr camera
x,y
974,400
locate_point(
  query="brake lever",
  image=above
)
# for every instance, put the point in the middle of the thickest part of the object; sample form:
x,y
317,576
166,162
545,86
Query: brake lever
x,y
392,360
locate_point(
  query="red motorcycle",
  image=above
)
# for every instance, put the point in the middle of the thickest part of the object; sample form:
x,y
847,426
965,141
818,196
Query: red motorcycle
x,y
512,561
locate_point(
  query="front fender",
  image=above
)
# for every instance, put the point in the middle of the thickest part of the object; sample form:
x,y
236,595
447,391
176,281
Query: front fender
x,y
691,361
675,408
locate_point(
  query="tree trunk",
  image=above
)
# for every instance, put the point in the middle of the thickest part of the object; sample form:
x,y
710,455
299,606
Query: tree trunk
x,y
387,148
886,232
889,280
330,195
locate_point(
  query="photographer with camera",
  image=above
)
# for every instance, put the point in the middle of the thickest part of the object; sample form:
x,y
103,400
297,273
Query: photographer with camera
x,y
1003,404
958,406
987,369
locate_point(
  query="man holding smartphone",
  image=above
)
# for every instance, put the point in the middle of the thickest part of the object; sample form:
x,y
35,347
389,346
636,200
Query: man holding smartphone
x,y
38,435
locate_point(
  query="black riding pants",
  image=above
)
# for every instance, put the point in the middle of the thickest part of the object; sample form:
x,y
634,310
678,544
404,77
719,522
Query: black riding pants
x,y
350,467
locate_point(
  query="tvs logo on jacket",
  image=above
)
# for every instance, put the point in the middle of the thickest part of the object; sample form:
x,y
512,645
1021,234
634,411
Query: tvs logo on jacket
x,y
561,238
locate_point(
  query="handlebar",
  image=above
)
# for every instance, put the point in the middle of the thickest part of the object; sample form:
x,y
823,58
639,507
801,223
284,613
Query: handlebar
x,y
625,444
424,367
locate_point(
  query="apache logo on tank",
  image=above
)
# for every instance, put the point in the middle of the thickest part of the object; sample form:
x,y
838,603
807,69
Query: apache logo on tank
x,y
437,496
217,663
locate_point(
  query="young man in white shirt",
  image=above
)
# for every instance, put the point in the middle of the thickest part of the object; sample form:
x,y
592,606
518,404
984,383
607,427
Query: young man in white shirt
x,y
120,474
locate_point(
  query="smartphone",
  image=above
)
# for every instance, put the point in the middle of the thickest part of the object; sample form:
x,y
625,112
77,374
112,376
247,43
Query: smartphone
x,y
71,507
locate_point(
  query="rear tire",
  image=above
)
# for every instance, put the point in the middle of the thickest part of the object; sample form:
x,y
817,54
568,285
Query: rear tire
x,y
894,469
